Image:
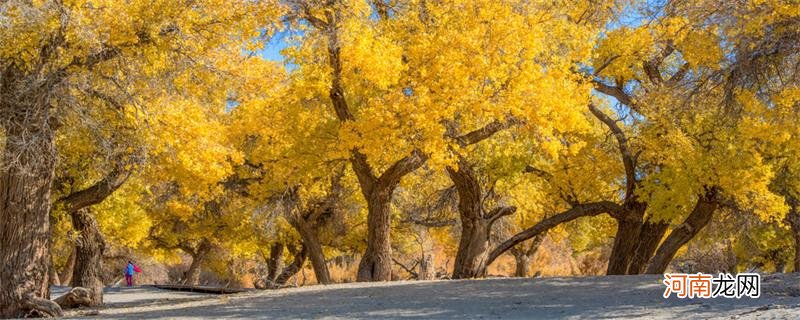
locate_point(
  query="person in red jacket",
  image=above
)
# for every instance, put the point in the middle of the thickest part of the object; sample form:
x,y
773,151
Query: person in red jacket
x,y
130,270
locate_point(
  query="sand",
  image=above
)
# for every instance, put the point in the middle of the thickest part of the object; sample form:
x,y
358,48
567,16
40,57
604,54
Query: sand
x,y
606,297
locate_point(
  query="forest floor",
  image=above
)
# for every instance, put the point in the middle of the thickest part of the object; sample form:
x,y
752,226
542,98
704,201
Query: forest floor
x,y
610,297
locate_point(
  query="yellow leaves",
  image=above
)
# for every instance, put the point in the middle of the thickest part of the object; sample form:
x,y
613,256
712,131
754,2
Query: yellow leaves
x,y
621,52
121,218
370,56
701,48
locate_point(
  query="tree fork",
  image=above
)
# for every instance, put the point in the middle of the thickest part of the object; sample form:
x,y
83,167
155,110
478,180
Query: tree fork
x,y
699,217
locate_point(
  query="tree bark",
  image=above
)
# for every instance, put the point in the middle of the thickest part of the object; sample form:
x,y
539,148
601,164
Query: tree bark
x,y
275,262
649,239
629,226
89,248
26,175
54,281
66,273
523,255
473,249
376,264
476,224
522,264
293,268
699,217
311,243
199,255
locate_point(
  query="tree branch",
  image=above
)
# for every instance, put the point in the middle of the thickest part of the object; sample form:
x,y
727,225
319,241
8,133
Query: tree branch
x,y
580,210
485,132
628,158
499,212
616,92
402,167
97,192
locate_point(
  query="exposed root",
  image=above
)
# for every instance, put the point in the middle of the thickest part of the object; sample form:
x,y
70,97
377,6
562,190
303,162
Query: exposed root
x,y
38,307
75,298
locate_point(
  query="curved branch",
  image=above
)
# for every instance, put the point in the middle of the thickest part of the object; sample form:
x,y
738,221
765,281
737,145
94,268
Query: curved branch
x,y
402,167
580,210
616,92
628,158
484,132
500,212
97,192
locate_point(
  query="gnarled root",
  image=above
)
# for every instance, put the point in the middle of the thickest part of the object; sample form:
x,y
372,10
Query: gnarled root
x,y
75,298
38,307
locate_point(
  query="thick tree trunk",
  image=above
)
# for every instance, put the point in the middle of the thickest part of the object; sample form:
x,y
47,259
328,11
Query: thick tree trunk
x,y
293,268
473,249
649,239
629,225
794,222
376,264
476,225
314,248
192,275
699,217
66,273
89,248
275,262
473,245
26,174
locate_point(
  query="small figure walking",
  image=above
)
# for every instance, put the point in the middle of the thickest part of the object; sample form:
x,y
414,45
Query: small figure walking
x,y
130,270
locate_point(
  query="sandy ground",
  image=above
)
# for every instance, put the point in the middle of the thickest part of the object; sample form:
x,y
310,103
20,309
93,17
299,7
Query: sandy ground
x,y
609,297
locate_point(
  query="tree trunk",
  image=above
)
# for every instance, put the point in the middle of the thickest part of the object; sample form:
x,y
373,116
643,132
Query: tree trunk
x,y
522,264
275,262
699,217
473,245
54,281
192,275
314,249
524,255
26,174
293,268
629,226
376,264
794,222
476,225
473,249
89,248
649,239
66,273
426,266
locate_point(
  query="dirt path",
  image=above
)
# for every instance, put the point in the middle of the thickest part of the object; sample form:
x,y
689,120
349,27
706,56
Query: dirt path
x,y
609,297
